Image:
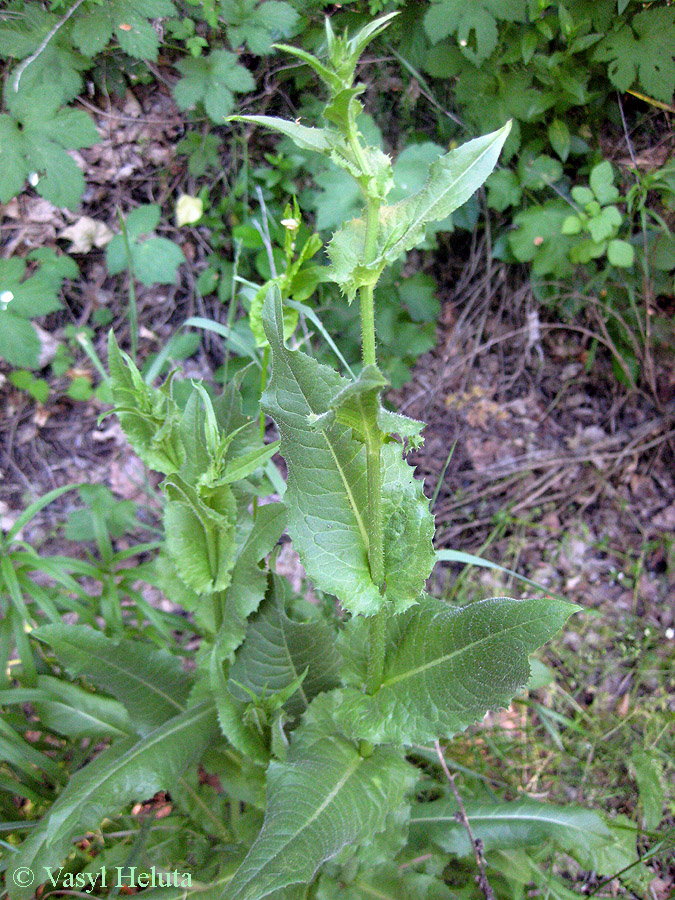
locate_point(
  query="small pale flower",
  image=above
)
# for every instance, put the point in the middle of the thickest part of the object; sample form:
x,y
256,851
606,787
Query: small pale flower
x,y
290,224
670,634
188,210
33,179
6,297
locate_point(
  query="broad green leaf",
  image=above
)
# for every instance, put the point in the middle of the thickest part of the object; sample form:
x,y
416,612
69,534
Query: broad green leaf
x,y
472,22
326,796
278,649
258,25
503,190
19,341
150,683
206,806
446,667
13,169
538,239
358,407
200,534
452,180
642,51
620,253
327,491
129,770
34,138
559,138
68,709
95,25
538,172
38,294
504,826
602,184
156,261
606,224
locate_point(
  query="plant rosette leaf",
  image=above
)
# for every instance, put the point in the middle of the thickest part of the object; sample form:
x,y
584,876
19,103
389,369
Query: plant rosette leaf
x,y
446,667
150,683
324,797
505,826
129,770
327,488
279,648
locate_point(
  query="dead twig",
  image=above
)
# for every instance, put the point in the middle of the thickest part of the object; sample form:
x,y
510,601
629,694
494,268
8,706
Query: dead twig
x,y
462,817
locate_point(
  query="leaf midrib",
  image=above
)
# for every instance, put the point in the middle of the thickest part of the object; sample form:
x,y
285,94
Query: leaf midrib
x,y
141,746
342,473
496,818
332,794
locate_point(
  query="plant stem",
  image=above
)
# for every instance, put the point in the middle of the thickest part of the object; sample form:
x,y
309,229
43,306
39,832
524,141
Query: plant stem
x,y
373,463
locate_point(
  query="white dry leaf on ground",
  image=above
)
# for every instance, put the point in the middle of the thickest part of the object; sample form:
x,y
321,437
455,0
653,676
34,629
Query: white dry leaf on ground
x,y
85,234
48,346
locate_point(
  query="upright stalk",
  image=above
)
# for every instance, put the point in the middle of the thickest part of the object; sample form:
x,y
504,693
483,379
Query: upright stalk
x,y
374,467
373,462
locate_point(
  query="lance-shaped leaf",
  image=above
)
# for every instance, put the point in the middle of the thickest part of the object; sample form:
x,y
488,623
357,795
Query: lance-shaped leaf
x,y
150,683
452,180
320,140
279,649
446,667
323,798
128,770
200,534
327,486
69,709
506,826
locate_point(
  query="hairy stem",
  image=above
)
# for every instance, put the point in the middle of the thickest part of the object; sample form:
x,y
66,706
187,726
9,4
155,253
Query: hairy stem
x,y
376,648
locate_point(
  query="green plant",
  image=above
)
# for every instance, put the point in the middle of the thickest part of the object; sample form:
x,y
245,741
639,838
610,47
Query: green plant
x,y
24,297
302,715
